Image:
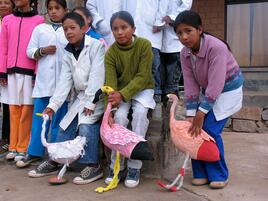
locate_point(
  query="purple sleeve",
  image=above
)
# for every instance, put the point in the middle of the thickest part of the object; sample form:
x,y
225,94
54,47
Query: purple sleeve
x,y
216,76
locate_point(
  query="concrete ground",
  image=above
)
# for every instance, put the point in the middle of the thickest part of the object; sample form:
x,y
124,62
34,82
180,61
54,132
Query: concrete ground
x,y
246,155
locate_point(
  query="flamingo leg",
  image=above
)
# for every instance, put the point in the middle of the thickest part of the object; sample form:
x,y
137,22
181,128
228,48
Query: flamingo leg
x,y
62,171
179,177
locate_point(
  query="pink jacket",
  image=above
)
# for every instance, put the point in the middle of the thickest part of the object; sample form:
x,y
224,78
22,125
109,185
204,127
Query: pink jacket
x,y
15,35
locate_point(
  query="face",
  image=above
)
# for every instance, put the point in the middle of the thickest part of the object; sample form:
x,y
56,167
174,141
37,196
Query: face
x,y
86,19
122,32
6,7
22,3
55,11
189,36
73,32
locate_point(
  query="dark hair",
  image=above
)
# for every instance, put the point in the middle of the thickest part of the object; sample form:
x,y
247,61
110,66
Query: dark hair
x,y
124,15
74,16
61,2
85,11
13,4
193,19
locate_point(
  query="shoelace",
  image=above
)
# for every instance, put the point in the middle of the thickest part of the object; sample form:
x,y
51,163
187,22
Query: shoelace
x,y
43,166
133,174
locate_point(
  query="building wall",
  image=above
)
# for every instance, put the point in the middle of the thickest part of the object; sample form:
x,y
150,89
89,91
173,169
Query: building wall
x,y
212,14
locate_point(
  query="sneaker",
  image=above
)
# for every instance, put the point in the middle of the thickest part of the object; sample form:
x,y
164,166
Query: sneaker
x,y
218,184
20,156
88,175
11,155
3,148
44,169
133,178
199,181
111,175
27,160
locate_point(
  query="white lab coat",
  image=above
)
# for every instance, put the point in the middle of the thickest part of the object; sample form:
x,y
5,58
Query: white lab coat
x,y
146,14
102,11
170,42
49,66
86,75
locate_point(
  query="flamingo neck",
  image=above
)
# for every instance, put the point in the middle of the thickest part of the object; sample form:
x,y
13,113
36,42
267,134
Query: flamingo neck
x,y
107,113
172,110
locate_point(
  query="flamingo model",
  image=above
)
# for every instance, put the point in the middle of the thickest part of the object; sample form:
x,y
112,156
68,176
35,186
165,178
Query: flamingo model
x,y
201,147
120,139
62,152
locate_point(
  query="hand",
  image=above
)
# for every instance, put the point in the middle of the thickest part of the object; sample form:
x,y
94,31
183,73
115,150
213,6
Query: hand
x,y
115,98
3,81
49,112
111,120
88,111
197,124
156,29
51,49
167,20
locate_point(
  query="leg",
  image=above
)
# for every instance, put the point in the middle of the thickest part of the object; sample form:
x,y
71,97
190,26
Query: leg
x,y
15,114
120,117
157,74
57,117
216,171
6,124
35,147
69,133
173,72
139,124
25,128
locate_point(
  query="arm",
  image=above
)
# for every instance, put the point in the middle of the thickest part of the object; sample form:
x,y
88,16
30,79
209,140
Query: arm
x,y
92,7
161,12
216,77
3,50
96,76
63,88
33,46
144,71
191,87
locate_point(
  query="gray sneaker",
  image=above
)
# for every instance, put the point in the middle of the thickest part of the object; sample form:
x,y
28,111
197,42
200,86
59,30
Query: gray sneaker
x,y
44,169
133,178
88,175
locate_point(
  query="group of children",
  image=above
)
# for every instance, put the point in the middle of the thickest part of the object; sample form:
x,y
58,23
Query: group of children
x,y
61,62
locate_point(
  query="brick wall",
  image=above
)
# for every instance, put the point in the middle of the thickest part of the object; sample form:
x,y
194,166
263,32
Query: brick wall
x,y
212,14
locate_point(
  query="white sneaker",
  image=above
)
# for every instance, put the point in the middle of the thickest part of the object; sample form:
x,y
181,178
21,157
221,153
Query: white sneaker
x,y
19,156
11,155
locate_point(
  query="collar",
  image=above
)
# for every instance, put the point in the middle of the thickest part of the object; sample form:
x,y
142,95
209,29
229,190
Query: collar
x,y
76,50
134,39
18,13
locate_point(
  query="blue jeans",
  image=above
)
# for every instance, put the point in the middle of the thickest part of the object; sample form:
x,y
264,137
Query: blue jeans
x,y
35,147
170,72
156,71
92,134
213,171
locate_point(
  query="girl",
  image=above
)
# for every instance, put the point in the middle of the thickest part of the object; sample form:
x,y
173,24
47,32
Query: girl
x,y
128,70
84,12
6,8
210,68
17,72
83,69
46,46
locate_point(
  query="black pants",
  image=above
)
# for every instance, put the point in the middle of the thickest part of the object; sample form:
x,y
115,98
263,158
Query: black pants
x,y
5,123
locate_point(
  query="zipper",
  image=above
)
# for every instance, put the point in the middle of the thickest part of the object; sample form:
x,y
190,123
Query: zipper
x,y
18,42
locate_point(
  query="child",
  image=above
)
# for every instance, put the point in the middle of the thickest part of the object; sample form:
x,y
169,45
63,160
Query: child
x,y
83,69
208,67
6,8
171,47
128,71
84,12
46,46
17,72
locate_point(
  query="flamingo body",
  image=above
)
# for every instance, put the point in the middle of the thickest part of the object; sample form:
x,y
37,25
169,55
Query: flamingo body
x,y
201,147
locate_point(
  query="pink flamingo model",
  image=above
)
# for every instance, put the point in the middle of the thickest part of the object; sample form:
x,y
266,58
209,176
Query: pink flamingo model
x,y
201,147
120,139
